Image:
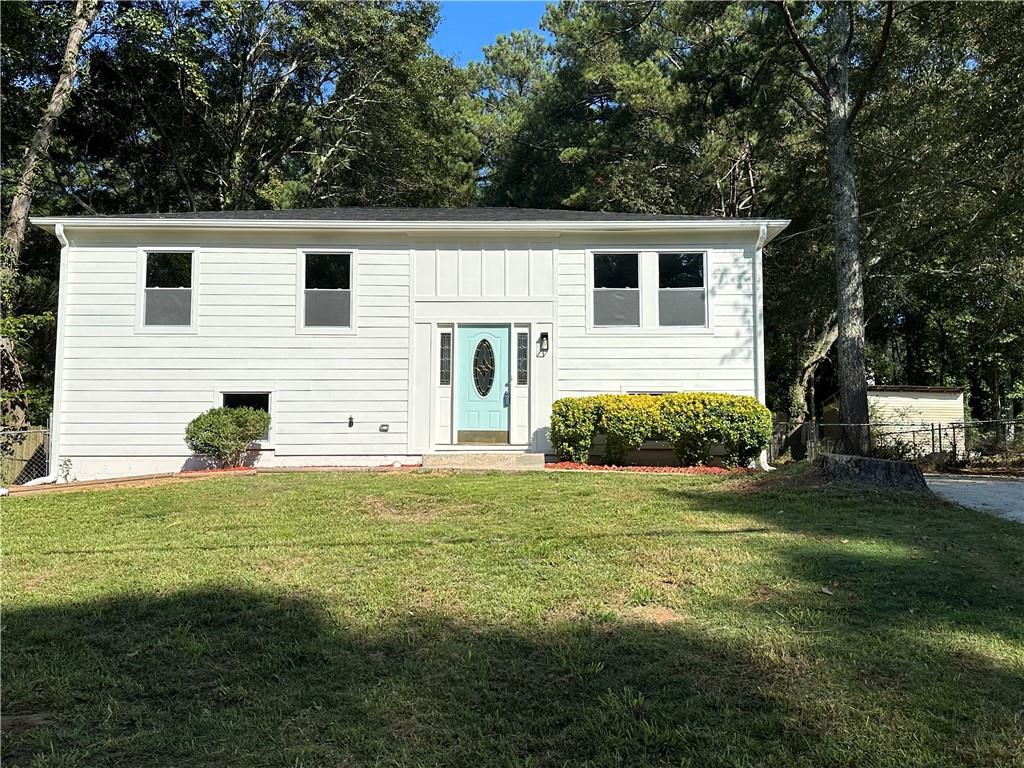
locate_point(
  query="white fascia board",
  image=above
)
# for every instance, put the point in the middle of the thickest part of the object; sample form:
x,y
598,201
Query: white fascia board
x,y
774,226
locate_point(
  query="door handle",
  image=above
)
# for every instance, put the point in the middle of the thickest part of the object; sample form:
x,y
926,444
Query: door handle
x,y
508,396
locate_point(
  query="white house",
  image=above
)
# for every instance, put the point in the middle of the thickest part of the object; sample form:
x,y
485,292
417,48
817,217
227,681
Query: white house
x,y
375,336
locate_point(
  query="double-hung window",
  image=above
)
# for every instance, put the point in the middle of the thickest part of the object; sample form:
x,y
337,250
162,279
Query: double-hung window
x,y
616,289
681,295
326,290
167,301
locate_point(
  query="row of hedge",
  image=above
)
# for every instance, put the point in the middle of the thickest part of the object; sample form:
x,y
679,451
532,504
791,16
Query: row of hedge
x,y
692,422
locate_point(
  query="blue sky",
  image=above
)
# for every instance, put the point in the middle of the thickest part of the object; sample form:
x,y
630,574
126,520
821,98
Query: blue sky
x,y
468,25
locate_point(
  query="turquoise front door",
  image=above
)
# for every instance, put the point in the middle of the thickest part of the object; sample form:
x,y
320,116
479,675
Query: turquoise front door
x,y
482,384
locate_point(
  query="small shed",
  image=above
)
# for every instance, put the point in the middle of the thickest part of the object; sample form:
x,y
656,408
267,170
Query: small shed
x,y
917,419
904,404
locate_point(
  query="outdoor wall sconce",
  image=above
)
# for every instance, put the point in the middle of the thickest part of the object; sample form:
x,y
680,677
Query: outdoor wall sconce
x,y
542,343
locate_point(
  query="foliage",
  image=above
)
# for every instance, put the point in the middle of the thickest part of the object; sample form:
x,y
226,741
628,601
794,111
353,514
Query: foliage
x,y
573,421
699,108
627,421
693,422
225,434
227,105
689,108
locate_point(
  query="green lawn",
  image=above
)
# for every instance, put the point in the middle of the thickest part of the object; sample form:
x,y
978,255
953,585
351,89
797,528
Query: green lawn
x,y
510,619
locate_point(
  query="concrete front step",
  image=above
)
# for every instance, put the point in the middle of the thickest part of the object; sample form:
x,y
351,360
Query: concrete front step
x,y
483,460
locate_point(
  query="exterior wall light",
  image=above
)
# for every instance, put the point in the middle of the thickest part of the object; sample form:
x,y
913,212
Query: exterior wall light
x,y
543,343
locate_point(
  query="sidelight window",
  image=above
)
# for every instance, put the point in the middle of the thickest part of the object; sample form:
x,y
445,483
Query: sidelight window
x,y
522,358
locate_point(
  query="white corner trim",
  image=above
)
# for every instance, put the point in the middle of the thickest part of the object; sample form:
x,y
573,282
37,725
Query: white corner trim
x,y
58,373
758,300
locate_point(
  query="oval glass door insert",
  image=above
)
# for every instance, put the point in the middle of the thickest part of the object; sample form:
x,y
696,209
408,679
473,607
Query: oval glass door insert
x,y
483,368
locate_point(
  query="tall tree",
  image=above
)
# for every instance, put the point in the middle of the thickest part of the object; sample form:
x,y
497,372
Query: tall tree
x,y
831,31
17,217
14,410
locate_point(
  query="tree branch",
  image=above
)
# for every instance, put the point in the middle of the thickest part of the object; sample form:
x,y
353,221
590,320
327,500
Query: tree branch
x,y
869,77
822,88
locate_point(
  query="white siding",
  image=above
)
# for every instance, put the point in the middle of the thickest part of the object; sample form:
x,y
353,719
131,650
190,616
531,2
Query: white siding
x,y
719,358
129,395
126,396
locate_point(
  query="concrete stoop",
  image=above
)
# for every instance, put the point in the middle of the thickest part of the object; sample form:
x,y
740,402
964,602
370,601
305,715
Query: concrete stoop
x,y
483,460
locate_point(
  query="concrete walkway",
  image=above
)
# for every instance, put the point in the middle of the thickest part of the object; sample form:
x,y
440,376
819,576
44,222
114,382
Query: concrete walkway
x,y
1002,496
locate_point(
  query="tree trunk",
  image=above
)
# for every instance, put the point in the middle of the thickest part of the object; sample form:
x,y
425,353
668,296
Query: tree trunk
x,y
801,392
853,391
13,408
17,219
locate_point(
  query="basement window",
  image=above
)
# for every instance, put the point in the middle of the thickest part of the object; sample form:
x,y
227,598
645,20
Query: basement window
x,y
260,401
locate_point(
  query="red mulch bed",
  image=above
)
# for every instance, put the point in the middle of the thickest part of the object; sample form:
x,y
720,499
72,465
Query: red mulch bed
x,y
656,470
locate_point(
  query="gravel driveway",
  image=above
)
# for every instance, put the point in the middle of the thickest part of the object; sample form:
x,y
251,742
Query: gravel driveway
x,y
1003,496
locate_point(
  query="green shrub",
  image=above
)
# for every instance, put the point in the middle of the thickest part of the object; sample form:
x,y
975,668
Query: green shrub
x,y
693,422
225,434
573,421
627,421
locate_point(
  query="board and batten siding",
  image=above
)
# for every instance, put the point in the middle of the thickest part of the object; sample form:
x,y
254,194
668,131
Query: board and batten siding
x,y
126,396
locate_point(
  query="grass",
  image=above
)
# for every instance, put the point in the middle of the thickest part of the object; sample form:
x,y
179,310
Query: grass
x,y
510,620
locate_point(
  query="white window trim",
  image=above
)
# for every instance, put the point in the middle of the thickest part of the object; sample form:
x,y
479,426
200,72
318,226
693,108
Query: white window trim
x,y
300,293
140,291
254,388
648,268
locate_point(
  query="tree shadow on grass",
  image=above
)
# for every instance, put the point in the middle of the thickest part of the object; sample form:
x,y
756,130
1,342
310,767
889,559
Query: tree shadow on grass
x,y
236,677
871,565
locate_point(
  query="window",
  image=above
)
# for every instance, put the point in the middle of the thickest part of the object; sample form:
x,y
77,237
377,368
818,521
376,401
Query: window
x,y
522,358
483,368
258,400
446,359
168,294
681,298
327,290
616,289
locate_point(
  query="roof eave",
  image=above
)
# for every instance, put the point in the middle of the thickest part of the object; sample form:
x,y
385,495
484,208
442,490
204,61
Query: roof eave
x,y
775,226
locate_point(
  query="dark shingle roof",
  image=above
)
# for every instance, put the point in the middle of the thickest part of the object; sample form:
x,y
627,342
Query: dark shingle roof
x,y
413,214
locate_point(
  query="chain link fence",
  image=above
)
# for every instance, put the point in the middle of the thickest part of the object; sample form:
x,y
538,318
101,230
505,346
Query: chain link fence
x,y
24,455
973,443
